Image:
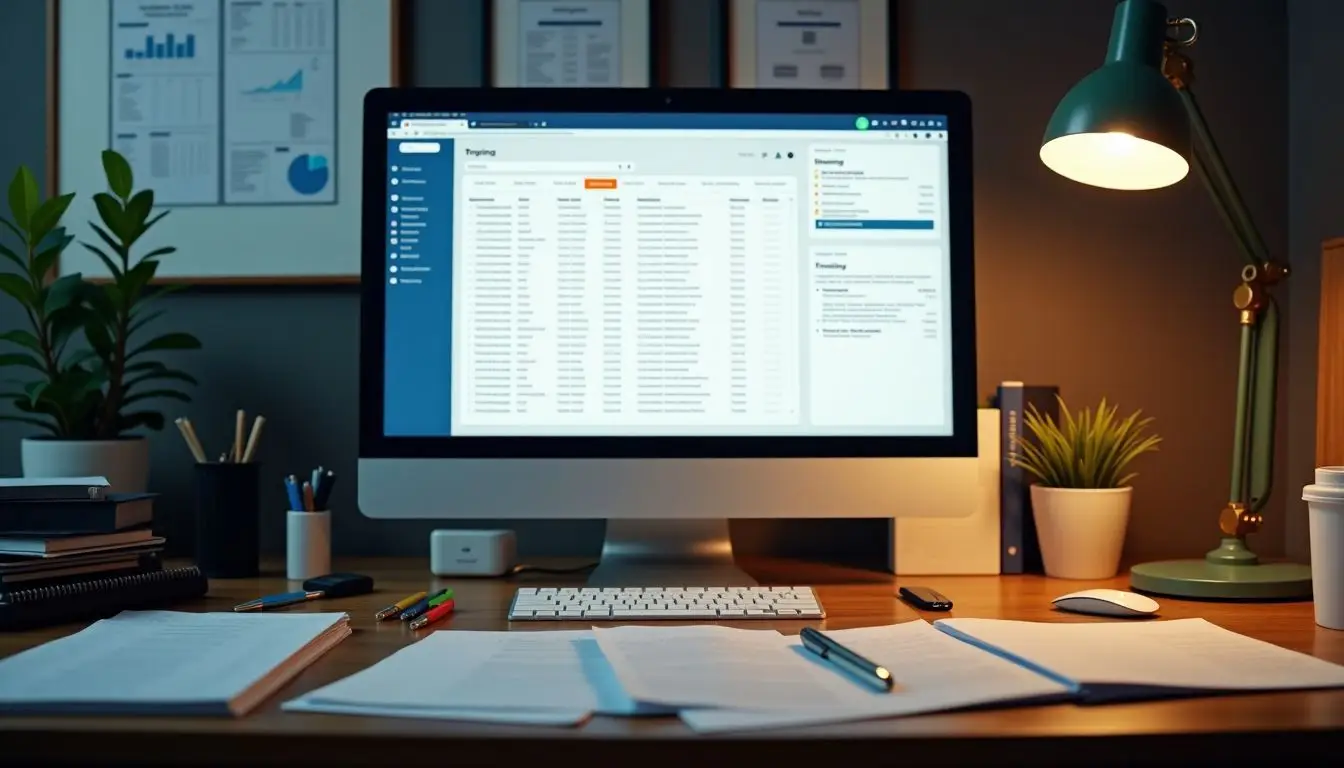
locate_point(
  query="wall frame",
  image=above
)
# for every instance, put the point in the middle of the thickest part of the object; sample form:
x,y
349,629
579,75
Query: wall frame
x,y
229,240
761,50
632,23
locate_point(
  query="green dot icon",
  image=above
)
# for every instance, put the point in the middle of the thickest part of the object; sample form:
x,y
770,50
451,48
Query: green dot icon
x,y
861,123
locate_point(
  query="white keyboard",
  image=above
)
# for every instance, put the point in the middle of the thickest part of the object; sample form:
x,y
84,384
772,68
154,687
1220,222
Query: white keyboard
x,y
663,603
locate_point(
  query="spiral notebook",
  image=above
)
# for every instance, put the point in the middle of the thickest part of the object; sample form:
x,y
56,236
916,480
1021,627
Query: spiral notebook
x,y
72,600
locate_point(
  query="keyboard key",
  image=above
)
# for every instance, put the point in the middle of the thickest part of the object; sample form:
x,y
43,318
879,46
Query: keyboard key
x,y
596,613
573,614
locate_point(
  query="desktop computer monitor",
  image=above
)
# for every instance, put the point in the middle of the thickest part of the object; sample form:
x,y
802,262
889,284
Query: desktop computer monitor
x,y
666,308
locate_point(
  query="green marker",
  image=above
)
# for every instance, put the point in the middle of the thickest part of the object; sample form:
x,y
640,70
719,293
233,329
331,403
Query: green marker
x,y
441,598
861,123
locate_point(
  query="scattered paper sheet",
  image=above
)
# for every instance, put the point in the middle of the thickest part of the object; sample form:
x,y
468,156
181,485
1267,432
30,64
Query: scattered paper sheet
x,y
484,676
933,672
718,667
1182,653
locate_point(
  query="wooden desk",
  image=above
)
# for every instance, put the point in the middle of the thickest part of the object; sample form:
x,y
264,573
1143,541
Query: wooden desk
x,y
1281,727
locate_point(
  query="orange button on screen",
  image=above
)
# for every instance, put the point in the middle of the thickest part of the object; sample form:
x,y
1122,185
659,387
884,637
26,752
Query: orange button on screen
x,y
599,183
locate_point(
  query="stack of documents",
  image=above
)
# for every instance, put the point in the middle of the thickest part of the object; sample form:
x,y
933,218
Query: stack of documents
x,y
724,679
168,663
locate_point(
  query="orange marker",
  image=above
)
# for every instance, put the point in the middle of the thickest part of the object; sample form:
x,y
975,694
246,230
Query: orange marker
x,y
434,614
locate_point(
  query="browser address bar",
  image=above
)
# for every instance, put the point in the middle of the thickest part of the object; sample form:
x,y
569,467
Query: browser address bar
x,y
547,166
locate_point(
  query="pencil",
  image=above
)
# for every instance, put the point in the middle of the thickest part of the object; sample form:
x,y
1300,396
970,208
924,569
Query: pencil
x,y
189,435
239,421
307,496
252,439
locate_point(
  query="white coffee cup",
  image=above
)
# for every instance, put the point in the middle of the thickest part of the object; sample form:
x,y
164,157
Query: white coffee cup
x,y
1325,502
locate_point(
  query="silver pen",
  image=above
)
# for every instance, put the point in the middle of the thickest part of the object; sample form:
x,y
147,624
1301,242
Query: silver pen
x,y
865,671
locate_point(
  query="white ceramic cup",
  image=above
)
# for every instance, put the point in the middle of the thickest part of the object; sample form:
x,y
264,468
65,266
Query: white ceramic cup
x,y
307,544
1325,502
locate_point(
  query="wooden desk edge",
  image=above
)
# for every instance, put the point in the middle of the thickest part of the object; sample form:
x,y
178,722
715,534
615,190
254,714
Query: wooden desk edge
x,y
1226,729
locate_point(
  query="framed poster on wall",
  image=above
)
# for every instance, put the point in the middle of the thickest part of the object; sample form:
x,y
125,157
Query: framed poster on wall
x,y
571,43
243,116
811,44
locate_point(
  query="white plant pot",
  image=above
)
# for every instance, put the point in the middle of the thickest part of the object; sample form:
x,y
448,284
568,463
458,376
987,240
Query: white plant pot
x,y
125,462
1081,530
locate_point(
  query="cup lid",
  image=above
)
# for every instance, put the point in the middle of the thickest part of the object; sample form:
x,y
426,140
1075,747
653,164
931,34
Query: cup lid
x,y
1329,486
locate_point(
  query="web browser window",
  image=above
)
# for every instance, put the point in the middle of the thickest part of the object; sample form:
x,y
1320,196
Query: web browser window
x,y
667,274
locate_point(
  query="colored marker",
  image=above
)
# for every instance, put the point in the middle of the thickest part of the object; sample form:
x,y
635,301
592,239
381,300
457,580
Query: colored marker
x,y
435,613
424,605
399,606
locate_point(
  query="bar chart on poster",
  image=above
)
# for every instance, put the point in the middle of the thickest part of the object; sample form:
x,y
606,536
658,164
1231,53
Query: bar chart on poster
x,y
165,97
242,116
229,102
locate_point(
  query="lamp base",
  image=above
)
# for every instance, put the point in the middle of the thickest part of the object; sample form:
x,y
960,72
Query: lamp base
x,y
1203,580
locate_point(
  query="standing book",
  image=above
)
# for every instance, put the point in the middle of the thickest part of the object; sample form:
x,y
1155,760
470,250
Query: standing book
x,y
1020,551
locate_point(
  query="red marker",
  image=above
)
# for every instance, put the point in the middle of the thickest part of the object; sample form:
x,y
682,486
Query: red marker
x,y
434,614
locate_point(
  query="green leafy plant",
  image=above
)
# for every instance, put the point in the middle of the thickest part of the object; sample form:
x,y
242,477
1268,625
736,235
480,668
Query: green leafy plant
x,y
1085,449
89,366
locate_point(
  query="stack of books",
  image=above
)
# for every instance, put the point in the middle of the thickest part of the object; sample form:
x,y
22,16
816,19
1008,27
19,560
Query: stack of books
x,y
70,549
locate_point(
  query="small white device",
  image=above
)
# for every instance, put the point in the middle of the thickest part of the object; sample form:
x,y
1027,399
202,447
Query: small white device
x,y
664,603
471,553
1107,602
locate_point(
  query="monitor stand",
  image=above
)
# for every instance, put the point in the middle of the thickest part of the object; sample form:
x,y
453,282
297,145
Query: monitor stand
x,y
668,553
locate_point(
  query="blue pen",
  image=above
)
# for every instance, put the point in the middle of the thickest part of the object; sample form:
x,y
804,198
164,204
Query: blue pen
x,y
292,489
277,601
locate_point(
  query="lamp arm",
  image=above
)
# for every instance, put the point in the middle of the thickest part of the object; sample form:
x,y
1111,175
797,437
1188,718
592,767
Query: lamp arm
x,y
1221,186
1264,394
1253,453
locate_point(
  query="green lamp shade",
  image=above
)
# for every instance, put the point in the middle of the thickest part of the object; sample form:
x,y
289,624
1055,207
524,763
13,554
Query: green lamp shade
x,y
1124,126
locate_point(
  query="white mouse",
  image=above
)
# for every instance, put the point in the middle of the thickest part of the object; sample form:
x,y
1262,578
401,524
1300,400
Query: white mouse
x,y
1107,602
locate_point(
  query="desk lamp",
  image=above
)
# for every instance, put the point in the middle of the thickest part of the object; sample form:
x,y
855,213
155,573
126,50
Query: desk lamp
x,y
1134,124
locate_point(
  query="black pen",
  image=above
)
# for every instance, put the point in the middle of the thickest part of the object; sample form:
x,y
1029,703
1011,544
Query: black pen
x,y
326,479
866,671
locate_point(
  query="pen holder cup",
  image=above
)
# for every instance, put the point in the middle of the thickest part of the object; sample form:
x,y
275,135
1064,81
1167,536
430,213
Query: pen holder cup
x,y
227,519
307,544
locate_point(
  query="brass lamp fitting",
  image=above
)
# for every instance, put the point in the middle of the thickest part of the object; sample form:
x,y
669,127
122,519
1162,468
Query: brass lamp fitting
x,y
1235,520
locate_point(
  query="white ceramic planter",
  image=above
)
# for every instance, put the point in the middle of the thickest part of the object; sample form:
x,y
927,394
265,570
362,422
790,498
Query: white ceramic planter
x,y
125,462
1081,530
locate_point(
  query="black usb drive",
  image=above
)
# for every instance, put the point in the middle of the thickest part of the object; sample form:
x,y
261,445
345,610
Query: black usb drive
x,y
926,599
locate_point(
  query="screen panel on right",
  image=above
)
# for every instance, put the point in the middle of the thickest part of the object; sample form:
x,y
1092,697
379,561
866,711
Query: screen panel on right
x,y
567,274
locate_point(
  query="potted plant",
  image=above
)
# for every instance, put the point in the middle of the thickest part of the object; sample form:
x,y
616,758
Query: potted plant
x,y
85,362
1082,494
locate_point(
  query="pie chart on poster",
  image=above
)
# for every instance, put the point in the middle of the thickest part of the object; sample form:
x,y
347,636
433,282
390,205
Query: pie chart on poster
x,y
309,174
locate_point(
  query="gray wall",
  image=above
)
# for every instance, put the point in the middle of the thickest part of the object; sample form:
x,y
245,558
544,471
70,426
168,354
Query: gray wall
x,y
1107,294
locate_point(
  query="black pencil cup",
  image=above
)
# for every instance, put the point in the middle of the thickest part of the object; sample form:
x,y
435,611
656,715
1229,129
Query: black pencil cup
x,y
227,517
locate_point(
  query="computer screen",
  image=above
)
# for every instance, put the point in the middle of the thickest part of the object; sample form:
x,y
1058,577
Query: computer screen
x,y
666,274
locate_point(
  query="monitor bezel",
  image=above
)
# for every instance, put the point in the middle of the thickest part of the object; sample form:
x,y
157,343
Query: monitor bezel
x,y
379,103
